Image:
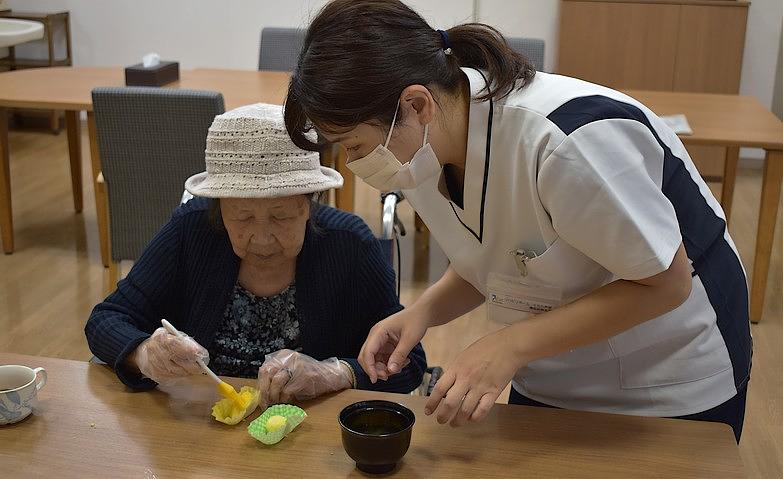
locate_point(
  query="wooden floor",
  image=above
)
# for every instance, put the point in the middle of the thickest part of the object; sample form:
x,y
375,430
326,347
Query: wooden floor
x,y
50,284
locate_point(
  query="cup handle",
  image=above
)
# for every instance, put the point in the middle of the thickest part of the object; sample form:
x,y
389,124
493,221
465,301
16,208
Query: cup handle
x,y
40,378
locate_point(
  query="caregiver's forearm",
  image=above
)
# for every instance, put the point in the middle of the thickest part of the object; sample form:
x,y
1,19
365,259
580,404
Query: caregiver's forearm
x,y
449,298
602,314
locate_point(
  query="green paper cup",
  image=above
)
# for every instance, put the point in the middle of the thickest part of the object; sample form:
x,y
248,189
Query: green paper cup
x,y
293,415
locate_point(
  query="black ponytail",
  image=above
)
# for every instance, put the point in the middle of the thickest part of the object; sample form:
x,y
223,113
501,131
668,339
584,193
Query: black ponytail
x,y
359,55
483,47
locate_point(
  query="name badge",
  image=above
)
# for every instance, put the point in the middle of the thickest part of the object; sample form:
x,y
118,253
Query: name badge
x,y
508,296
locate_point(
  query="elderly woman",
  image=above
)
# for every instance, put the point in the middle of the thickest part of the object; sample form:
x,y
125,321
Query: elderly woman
x,y
257,273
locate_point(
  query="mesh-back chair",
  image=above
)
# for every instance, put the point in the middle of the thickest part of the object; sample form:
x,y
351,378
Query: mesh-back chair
x,y
532,48
280,47
150,140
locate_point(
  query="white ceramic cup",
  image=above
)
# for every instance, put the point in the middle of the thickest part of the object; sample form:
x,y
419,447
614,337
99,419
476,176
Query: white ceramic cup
x,y
19,386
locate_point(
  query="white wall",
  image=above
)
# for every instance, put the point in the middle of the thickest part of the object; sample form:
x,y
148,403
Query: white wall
x,y
224,34
197,33
761,49
525,18
759,64
777,99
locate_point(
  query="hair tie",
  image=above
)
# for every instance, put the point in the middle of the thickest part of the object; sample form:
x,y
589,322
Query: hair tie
x,y
444,36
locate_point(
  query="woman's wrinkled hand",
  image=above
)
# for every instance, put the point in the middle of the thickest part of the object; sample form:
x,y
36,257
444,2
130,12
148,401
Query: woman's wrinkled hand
x,y
164,356
287,376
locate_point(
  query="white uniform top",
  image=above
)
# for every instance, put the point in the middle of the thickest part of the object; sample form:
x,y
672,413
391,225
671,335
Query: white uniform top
x,y
597,188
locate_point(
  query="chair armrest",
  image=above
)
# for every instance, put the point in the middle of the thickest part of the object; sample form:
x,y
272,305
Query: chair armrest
x,y
389,217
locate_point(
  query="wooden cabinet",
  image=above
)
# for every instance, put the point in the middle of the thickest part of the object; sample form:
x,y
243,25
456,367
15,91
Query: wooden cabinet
x,y
619,44
710,43
669,45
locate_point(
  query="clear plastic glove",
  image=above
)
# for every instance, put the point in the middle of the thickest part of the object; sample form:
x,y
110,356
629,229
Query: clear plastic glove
x,y
164,356
287,375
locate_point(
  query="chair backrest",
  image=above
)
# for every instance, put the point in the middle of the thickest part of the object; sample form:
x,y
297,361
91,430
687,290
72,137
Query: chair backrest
x,y
280,47
532,48
150,140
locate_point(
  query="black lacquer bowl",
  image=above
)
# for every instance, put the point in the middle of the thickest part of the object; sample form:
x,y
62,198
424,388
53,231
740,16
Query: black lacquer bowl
x,y
376,434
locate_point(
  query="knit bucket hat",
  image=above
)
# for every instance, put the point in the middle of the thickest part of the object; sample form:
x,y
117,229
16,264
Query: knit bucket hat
x,y
249,155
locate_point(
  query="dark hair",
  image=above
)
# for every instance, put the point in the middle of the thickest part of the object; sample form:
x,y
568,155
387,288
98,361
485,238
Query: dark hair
x,y
359,55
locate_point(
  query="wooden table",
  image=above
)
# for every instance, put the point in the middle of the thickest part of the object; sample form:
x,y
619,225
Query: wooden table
x,y
50,22
734,121
170,432
70,89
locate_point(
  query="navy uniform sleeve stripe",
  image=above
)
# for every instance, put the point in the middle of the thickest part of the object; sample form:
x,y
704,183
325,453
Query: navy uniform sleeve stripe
x,y
703,231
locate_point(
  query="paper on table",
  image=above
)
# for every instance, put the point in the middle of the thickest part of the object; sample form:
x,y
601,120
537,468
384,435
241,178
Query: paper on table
x,y
678,123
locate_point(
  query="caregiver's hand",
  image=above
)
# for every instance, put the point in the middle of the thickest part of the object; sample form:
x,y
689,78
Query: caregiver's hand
x,y
287,375
165,356
385,352
474,380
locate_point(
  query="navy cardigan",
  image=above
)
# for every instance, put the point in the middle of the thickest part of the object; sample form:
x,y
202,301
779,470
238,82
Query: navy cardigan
x,y
344,285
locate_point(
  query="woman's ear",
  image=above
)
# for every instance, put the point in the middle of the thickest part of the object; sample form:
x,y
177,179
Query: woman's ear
x,y
418,100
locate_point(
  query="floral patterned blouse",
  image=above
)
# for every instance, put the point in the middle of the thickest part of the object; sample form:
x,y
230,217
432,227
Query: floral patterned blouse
x,y
253,327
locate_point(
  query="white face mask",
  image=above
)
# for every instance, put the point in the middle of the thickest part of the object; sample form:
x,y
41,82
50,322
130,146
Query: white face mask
x,y
383,171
